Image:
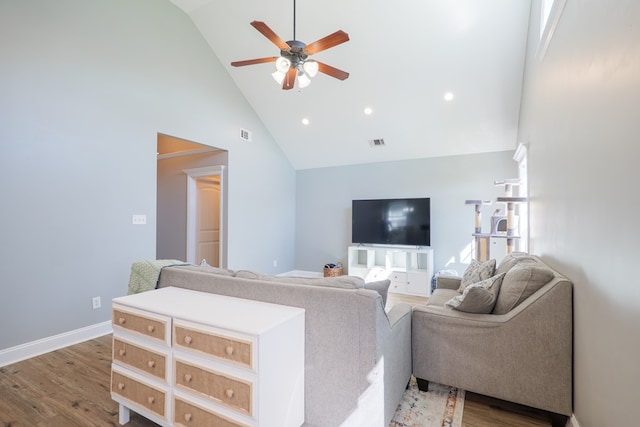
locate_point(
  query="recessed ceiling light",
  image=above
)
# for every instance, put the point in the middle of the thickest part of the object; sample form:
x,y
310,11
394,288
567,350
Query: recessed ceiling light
x,y
368,111
305,121
448,96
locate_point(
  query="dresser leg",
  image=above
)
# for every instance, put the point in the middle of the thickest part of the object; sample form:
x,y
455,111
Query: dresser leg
x,y
123,414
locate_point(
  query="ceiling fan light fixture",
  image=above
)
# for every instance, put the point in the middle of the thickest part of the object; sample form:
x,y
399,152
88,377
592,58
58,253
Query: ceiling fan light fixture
x,y
283,64
278,76
303,80
311,68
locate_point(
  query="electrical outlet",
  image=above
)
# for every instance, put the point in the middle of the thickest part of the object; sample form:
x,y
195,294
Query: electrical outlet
x,y
95,303
139,219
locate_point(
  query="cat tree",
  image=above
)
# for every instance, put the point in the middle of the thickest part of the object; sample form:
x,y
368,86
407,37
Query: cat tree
x,y
502,227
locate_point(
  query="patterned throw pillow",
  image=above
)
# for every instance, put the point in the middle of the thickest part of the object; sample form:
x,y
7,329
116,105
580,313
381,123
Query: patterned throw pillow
x,y
479,297
476,272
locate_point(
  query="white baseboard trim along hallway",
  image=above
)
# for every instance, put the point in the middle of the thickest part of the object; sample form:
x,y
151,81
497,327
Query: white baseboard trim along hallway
x,y
55,342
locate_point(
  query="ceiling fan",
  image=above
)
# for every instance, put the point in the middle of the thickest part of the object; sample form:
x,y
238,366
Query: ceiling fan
x,y
294,63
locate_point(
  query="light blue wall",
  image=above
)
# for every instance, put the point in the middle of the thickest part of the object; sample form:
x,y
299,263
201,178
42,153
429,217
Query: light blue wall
x,y
85,86
323,202
580,117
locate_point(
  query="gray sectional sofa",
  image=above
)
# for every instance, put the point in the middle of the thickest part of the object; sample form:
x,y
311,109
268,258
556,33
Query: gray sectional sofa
x,y
357,356
519,350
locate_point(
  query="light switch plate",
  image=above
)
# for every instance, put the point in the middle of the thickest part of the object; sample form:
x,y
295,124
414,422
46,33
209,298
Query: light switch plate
x,y
139,219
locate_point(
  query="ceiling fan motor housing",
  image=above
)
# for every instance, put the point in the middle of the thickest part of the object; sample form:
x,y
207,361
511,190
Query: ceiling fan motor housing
x,y
295,53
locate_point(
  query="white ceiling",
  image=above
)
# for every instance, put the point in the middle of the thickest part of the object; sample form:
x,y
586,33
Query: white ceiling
x,y
403,56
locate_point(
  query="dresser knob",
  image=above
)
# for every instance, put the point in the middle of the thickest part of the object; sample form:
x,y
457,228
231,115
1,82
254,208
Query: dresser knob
x,y
151,399
151,364
122,352
187,377
122,320
187,417
229,351
229,393
151,328
187,340
120,386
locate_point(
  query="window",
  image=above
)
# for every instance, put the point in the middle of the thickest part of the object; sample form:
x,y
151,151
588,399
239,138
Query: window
x,y
550,12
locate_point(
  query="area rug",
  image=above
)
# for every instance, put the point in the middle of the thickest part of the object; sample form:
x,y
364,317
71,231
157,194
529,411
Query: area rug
x,y
441,406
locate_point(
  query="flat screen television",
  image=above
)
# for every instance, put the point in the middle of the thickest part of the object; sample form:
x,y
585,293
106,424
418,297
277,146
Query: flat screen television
x,y
404,222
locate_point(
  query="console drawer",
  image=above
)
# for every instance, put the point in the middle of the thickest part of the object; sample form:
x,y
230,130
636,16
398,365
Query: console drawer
x,y
214,344
232,392
143,359
188,415
141,394
153,327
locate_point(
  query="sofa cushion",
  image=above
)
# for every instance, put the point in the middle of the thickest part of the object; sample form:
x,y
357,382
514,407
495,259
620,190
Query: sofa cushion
x,y
248,274
510,260
440,296
213,270
520,282
477,272
344,282
479,297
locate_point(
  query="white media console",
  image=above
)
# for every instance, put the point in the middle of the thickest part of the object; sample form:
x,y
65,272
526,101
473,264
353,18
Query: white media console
x,y
409,268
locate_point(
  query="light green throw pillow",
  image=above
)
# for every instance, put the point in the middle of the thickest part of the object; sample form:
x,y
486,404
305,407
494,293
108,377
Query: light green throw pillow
x,y
479,297
477,272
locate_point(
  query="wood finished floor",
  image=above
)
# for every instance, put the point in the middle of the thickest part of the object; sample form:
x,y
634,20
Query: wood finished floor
x,y
70,387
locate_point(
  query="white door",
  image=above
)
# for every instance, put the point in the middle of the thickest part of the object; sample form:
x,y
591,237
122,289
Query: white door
x,y
208,220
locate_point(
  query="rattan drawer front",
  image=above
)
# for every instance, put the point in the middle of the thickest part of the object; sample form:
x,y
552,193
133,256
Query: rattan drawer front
x,y
188,415
153,328
230,391
142,394
216,345
140,358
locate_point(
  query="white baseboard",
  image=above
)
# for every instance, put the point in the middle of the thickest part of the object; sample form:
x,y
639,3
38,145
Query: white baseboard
x,y
45,345
573,421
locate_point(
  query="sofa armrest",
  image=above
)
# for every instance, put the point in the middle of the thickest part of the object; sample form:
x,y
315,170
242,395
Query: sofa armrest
x,y
448,282
396,357
398,313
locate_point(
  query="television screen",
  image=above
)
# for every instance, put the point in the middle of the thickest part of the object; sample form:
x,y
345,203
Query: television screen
x,y
391,222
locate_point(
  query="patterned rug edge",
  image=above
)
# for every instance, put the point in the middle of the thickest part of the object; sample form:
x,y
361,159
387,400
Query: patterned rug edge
x,y
441,406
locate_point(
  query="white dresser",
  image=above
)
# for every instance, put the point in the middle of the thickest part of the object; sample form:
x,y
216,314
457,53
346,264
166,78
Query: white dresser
x,y
193,359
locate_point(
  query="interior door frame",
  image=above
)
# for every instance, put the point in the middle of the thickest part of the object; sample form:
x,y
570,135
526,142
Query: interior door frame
x,y
192,176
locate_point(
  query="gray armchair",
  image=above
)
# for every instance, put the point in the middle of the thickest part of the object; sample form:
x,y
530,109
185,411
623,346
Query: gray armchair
x,y
523,356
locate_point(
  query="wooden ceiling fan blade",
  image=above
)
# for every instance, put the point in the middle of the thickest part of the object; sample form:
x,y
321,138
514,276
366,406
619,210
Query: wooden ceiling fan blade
x,y
270,34
254,61
327,42
332,71
289,79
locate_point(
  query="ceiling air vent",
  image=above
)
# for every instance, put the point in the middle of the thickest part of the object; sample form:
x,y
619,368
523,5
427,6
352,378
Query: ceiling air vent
x,y
376,142
245,135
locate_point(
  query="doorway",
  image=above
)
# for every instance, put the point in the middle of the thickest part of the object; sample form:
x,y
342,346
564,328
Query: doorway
x,y
191,202
206,216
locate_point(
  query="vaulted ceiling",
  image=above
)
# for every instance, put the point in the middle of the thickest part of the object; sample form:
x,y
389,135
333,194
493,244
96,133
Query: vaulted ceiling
x,y
403,56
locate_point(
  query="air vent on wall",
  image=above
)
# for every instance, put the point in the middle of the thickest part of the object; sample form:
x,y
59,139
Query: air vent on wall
x,y
376,142
245,135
